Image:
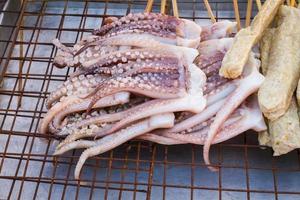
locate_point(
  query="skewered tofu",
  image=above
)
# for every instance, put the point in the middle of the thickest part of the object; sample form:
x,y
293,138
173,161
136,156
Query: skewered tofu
x,y
283,134
245,39
284,65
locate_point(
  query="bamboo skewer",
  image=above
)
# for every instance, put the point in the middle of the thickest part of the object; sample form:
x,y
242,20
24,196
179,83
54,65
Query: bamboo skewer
x,y
258,3
293,3
210,13
175,8
149,6
249,12
237,14
163,6
21,63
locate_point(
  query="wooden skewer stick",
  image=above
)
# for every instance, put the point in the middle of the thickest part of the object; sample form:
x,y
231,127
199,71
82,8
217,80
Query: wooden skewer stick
x,y
210,13
249,12
258,3
21,64
163,6
149,6
175,8
237,14
288,2
293,3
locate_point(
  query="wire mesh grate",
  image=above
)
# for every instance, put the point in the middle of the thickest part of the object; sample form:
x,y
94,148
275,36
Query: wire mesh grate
x,y
135,170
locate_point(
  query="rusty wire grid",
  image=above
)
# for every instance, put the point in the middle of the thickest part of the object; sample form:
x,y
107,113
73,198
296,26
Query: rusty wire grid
x,y
135,170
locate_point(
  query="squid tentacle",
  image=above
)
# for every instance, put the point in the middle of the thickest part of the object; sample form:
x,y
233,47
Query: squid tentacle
x,y
111,141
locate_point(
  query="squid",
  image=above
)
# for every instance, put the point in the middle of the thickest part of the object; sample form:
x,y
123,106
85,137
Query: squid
x,y
151,77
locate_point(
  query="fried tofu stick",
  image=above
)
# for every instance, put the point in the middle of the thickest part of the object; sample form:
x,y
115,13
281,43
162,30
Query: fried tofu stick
x,y
283,134
282,77
285,131
264,137
245,39
265,46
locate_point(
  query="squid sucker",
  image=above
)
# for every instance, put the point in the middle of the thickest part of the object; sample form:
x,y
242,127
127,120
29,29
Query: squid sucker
x,y
151,77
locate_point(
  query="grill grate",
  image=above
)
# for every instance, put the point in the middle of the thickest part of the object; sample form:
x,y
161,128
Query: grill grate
x,y
135,170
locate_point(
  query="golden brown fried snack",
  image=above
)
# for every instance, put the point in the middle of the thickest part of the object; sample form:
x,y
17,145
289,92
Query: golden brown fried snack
x,y
283,134
282,76
265,46
285,131
264,137
245,39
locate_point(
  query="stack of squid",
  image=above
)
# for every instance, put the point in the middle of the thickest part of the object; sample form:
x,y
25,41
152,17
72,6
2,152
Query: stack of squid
x,y
152,77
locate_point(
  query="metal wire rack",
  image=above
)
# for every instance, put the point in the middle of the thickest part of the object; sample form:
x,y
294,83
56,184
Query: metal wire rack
x,y
136,170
